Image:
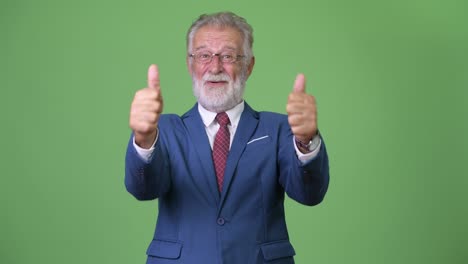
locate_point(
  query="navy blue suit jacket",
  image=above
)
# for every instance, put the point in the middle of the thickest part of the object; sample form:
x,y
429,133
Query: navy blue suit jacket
x,y
245,224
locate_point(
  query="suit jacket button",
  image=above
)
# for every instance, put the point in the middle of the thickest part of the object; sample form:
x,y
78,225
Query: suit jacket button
x,y
220,221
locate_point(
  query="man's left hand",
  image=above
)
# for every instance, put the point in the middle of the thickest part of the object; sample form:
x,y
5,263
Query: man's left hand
x,y
302,111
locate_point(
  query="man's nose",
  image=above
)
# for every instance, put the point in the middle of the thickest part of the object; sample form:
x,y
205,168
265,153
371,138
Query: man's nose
x,y
216,65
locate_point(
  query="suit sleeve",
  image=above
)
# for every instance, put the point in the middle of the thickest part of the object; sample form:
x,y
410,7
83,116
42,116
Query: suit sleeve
x,y
305,183
147,180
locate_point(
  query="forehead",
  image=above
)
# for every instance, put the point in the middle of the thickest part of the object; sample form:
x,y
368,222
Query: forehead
x,y
217,38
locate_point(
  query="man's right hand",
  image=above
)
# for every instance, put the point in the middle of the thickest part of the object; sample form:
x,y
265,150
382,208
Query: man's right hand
x,y
146,108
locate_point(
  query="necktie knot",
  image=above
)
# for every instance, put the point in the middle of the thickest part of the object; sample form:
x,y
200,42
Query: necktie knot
x,y
222,119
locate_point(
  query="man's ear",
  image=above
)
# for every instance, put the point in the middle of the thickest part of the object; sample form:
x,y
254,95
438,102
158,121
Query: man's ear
x,y
251,66
189,67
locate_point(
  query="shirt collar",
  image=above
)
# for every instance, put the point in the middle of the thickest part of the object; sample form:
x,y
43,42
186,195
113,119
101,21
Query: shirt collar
x,y
233,113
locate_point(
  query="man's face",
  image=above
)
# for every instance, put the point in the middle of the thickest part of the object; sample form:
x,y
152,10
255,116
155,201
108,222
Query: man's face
x,y
218,86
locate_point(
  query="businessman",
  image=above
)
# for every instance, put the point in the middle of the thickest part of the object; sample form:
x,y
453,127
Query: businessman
x,y
220,171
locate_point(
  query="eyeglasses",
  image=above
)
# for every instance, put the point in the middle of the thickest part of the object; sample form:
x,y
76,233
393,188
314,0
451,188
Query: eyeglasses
x,y
205,57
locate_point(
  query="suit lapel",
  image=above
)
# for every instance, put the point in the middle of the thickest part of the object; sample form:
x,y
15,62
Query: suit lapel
x,y
199,139
247,125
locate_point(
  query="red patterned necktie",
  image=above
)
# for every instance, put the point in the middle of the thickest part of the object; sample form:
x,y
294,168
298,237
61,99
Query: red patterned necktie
x,y
221,147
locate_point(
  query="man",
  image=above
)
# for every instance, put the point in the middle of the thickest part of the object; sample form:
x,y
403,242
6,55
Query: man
x,y
220,171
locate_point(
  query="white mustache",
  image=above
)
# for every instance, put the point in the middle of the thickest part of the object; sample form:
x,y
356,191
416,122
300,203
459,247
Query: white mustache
x,y
216,78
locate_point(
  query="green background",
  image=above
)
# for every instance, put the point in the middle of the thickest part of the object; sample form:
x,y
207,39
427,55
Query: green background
x,y
390,78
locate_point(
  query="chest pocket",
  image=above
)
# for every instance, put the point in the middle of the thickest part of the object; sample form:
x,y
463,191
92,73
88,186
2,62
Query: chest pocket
x,y
258,142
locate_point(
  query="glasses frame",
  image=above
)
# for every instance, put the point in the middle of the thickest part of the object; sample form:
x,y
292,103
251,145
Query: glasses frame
x,y
236,58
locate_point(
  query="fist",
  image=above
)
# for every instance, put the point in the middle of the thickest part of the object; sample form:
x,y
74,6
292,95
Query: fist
x,y
147,106
302,111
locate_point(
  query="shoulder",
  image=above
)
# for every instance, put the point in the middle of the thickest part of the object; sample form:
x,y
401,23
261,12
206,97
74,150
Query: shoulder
x,y
170,122
273,119
169,119
266,115
272,122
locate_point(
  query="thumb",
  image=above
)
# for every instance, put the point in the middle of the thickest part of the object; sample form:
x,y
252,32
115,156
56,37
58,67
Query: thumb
x,y
153,76
299,84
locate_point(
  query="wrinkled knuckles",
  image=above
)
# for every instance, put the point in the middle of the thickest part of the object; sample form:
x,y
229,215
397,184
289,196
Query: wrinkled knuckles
x,y
294,120
151,117
289,108
146,128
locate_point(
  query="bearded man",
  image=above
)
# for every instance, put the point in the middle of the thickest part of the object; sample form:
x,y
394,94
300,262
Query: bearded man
x,y
220,171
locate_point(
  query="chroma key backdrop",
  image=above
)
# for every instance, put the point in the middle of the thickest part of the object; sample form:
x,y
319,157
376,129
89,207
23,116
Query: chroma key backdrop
x,y
390,79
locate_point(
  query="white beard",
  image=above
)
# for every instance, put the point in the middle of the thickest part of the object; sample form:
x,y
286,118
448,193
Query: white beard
x,y
219,99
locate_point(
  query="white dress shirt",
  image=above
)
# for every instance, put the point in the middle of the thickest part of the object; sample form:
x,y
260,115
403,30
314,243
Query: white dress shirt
x,y
211,128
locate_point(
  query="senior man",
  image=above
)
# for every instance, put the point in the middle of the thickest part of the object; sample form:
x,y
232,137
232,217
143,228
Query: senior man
x,y
220,171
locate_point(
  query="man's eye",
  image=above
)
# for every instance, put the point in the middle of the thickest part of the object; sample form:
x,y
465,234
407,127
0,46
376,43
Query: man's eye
x,y
227,56
204,56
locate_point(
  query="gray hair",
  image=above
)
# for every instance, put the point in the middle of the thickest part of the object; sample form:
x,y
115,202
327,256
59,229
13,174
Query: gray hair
x,y
224,19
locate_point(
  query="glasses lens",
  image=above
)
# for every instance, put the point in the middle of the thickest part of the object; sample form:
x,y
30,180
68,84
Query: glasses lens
x,y
228,57
203,57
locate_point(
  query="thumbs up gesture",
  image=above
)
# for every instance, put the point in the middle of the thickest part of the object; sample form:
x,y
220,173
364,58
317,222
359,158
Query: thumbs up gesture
x,y
146,108
302,111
